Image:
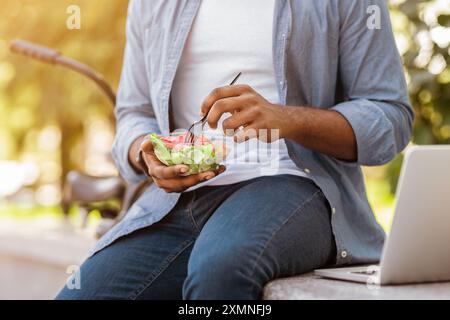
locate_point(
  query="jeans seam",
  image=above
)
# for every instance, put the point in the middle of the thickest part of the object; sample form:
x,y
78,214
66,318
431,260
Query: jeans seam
x,y
191,214
163,267
294,212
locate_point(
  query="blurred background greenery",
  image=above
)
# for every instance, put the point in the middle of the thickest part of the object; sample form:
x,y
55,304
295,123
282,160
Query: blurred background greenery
x,y
53,121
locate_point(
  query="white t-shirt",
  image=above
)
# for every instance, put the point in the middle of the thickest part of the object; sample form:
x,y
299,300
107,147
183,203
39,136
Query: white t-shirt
x,y
228,37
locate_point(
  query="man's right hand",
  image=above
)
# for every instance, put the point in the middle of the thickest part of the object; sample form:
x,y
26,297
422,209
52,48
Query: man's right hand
x,y
170,178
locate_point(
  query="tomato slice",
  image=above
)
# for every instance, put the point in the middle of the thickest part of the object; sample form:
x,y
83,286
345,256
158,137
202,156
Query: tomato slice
x,y
172,141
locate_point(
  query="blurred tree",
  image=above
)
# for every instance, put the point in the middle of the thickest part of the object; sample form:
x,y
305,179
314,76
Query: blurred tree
x,y
34,95
423,36
428,65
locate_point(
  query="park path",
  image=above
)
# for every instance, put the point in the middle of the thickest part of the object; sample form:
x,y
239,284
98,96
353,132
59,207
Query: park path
x,y
35,257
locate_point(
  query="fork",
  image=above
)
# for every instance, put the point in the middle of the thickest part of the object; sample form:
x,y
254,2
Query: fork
x,y
190,136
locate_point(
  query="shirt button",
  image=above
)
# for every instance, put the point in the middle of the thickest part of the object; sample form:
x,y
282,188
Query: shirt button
x,y
307,170
283,35
281,83
344,254
333,210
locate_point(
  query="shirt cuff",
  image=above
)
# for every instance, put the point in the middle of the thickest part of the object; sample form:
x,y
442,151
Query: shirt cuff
x,y
122,143
373,131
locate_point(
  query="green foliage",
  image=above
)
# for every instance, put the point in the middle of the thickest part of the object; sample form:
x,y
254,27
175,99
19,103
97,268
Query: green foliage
x,y
426,55
427,62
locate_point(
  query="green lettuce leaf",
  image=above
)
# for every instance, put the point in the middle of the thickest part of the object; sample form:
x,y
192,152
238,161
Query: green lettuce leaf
x,y
199,158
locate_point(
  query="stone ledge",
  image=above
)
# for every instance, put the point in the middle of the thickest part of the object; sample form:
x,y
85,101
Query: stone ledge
x,y
311,287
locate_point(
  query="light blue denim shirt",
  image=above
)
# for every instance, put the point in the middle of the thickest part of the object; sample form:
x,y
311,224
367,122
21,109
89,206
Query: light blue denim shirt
x,y
324,56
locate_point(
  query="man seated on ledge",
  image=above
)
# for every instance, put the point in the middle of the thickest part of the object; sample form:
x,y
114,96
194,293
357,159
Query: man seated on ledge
x,y
320,73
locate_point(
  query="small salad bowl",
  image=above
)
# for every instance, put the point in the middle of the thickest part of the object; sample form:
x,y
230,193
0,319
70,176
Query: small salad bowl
x,y
203,154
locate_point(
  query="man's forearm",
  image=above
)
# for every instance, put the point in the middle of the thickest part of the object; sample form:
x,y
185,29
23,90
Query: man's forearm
x,y
324,131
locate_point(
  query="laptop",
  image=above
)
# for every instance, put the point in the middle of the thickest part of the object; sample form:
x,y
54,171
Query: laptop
x,y
418,246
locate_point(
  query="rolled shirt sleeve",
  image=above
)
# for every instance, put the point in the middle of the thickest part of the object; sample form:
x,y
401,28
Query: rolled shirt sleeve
x,y
134,112
376,103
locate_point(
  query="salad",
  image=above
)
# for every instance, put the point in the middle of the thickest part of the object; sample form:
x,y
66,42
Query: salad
x,y
200,156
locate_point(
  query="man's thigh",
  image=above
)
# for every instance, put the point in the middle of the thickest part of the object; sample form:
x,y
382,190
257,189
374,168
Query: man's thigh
x,y
273,227
150,263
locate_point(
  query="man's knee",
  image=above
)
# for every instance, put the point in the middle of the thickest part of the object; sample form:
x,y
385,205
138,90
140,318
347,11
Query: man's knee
x,y
223,274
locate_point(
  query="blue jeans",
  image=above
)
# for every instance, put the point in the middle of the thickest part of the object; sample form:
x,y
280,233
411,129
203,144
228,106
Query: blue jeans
x,y
219,242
